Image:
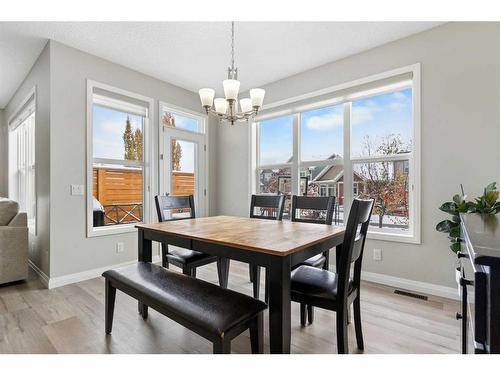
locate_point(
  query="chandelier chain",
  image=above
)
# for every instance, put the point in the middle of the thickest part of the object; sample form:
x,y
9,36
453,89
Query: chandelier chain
x,y
232,45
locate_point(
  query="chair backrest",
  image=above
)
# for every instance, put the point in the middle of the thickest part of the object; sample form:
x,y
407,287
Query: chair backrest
x,y
267,207
171,208
317,210
354,244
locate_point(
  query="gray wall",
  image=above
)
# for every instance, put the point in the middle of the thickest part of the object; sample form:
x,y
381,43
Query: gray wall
x,y
71,250
39,77
460,131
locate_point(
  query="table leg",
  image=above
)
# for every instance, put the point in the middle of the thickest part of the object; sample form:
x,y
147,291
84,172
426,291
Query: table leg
x,y
279,305
145,247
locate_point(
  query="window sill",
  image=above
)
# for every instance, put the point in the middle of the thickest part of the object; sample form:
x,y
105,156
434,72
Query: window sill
x,y
410,238
109,231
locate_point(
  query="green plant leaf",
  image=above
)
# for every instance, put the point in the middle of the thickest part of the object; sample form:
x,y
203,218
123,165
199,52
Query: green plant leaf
x,y
449,207
455,231
455,247
490,187
457,199
444,226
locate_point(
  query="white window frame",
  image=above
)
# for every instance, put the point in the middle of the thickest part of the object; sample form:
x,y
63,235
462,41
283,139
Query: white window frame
x,y
202,133
290,107
147,164
24,110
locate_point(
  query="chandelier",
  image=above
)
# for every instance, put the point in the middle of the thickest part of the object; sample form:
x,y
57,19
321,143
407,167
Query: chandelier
x,y
226,108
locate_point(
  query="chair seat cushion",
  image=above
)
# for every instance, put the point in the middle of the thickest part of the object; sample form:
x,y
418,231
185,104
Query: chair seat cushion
x,y
315,282
315,261
184,256
183,298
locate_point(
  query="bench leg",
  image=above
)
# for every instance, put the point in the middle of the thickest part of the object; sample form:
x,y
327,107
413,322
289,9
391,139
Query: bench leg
x,y
256,281
110,294
222,346
257,334
223,271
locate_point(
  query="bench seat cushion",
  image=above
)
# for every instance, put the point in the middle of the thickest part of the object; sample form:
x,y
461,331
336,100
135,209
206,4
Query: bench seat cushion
x,y
186,299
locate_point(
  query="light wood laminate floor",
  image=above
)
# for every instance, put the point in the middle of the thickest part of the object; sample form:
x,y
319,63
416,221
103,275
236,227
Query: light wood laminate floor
x,y
70,319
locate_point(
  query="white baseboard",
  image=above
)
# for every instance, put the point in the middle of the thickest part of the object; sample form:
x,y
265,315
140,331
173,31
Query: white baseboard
x,y
55,282
396,282
43,277
411,285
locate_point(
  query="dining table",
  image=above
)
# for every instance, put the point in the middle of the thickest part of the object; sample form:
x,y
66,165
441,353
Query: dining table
x,y
277,245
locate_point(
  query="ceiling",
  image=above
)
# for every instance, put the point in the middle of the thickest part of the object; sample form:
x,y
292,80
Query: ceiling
x,y
196,54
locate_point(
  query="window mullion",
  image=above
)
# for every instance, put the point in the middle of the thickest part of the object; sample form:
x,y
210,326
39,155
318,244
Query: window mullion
x,y
347,160
296,154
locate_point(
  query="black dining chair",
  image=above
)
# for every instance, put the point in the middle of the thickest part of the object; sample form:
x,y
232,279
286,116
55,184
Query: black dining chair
x,y
171,208
315,210
312,286
269,207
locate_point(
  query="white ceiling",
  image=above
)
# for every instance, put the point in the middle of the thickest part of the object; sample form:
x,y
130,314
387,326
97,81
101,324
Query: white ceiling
x,y
196,54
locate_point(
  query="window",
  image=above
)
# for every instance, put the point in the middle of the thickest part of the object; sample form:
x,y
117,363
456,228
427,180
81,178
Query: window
x,y
363,146
22,171
179,119
118,177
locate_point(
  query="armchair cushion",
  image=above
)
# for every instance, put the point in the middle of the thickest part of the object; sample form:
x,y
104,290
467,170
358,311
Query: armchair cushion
x,y
8,209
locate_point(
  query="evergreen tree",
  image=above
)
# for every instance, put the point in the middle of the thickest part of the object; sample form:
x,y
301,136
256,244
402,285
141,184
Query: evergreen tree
x,y
138,144
128,141
168,120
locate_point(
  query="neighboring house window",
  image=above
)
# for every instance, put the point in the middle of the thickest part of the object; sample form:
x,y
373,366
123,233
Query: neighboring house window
x,y
118,177
370,134
323,190
22,171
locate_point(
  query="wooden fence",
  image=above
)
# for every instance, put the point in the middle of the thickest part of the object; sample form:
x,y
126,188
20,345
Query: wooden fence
x,y
119,191
182,183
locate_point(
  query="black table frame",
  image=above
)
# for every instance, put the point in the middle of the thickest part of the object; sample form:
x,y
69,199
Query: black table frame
x,y
279,279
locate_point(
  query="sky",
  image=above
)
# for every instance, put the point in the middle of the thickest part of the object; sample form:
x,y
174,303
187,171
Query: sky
x,y
322,129
109,126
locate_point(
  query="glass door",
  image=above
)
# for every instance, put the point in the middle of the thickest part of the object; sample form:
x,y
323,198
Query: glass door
x,y
183,166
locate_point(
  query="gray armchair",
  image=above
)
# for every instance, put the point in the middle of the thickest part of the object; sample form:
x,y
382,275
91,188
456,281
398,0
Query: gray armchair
x,y
13,242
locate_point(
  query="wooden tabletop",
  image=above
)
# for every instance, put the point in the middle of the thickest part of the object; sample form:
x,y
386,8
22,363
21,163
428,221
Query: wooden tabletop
x,y
264,236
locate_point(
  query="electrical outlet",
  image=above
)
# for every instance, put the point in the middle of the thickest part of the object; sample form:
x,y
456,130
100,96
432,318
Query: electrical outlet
x,y
377,254
120,247
76,189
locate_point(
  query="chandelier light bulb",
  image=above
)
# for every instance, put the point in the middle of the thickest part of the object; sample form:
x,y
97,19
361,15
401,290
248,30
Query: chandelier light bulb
x,y
231,88
257,96
207,97
220,105
246,105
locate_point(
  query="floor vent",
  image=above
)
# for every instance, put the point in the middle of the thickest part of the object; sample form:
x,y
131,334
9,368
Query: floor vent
x,y
409,294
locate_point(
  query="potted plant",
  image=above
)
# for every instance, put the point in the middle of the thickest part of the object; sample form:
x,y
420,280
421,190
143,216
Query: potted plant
x,y
485,204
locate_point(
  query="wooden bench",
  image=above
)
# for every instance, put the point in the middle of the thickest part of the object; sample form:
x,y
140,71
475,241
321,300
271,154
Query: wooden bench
x,y
217,314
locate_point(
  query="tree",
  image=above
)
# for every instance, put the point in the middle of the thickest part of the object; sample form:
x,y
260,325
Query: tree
x,y
385,181
128,141
132,142
169,120
138,144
